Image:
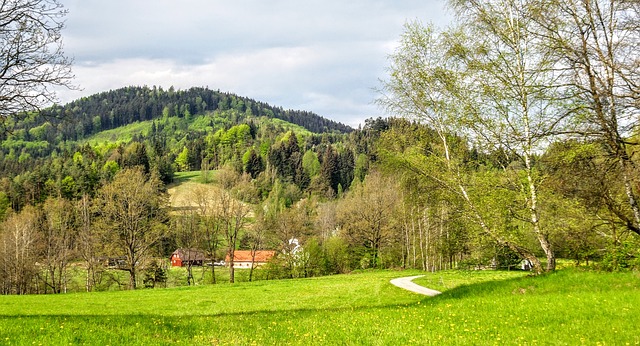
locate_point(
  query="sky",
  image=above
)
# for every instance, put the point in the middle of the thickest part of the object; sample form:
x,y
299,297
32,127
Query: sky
x,y
322,56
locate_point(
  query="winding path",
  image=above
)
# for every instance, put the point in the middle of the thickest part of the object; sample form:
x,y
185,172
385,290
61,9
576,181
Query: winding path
x,y
407,284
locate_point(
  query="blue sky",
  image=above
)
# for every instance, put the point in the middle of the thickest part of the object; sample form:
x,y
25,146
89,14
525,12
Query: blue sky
x,y
322,56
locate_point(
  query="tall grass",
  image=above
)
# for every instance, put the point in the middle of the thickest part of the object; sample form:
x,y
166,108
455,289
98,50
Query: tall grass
x,y
570,307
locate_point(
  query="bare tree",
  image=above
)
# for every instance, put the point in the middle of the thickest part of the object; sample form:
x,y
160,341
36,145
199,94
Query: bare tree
x,y
32,60
204,199
187,229
132,211
368,214
232,215
89,242
18,240
57,240
257,237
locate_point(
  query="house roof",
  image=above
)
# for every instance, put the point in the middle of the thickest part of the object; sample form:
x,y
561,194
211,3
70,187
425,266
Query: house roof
x,y
245,255
189,254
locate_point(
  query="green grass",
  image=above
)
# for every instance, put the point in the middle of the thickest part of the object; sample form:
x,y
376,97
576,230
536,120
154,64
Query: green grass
x,y
192,177
570,307
299,130
125,133
443,281
121,134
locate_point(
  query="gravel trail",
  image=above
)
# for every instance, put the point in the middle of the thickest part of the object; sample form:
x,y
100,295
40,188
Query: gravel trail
x,y
407,284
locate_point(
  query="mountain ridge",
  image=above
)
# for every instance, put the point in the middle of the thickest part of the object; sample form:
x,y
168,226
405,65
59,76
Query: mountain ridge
x,y
114,108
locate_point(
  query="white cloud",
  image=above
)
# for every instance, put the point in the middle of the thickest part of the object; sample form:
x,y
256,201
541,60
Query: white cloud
x,y
323,56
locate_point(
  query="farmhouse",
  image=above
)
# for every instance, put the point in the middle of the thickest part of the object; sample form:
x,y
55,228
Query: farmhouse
x,y
242,258
185,257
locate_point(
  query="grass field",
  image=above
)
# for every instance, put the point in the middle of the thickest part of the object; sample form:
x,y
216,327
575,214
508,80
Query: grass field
x,y
570,307
120,134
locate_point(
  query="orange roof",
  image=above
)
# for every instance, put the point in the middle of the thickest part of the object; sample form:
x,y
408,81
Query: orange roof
x,y
246,255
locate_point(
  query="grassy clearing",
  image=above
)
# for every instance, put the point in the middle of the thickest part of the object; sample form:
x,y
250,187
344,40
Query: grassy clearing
x,y
185,183
568,307
122,134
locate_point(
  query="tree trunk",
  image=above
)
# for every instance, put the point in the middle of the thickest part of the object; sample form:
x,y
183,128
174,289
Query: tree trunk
x,y
213,271
132,278
231,268
253,260
189,273
543,238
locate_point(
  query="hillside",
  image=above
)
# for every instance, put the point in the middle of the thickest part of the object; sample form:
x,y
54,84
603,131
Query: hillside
x,y
115,108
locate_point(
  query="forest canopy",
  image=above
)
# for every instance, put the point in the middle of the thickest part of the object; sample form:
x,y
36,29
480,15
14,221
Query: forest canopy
x,y
511,142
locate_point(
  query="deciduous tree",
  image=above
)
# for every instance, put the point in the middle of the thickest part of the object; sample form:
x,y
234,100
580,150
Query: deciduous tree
x,y
367,216
58,236
427,83
33,60
232,215
18,246
596,44
132,211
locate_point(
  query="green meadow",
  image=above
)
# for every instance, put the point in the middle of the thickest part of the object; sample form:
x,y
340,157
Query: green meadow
x,y
569,307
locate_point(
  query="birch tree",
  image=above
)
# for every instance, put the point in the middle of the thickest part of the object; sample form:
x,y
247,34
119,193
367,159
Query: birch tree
x,y
509,99
596,45
431,80
18,246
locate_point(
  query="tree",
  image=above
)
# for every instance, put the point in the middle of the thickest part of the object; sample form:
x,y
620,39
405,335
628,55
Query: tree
x,y
182,161
18,241
508,95
232,215
427,83
595,44
135,154
367,216
33,59
205,201
253,164
188,236
256,237
89,241
58,237
329,169
132,212
311,163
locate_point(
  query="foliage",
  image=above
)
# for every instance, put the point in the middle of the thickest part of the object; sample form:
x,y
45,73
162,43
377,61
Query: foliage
x,y
368,219
488,173
132,211
154,274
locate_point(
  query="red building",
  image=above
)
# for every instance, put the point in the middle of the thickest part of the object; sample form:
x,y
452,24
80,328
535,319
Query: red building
x,y
185,257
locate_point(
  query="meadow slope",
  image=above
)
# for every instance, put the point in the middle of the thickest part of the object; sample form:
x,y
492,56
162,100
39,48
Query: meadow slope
x,y
565,308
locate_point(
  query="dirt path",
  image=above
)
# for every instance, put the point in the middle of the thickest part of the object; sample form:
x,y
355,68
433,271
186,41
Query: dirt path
x,y
407,284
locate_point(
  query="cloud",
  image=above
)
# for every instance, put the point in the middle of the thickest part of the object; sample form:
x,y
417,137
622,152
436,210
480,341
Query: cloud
x,y
321,56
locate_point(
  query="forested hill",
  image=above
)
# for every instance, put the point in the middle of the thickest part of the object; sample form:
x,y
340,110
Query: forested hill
x,y
115,108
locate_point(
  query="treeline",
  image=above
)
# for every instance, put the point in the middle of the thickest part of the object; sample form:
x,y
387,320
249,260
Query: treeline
x,y
260,153
112,109
380,197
